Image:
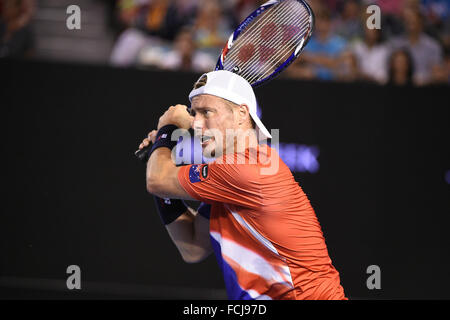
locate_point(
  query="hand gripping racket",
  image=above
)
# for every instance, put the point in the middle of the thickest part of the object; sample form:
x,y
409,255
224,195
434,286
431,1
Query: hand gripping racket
x,y
265,43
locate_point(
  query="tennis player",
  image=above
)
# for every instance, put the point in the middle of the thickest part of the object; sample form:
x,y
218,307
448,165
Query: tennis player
x,y
253,214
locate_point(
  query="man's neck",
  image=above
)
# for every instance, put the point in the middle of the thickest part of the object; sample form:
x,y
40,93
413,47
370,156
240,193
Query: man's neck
x,y
244,142
241,143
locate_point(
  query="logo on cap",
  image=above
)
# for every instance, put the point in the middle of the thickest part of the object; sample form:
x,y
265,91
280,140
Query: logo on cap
x,y
201,82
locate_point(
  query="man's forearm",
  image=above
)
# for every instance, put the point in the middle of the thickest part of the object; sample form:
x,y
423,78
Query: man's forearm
x,y
188,230
190,234
158,167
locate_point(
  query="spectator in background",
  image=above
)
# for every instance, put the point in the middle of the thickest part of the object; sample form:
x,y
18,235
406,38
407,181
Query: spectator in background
x,y
348,70
242,8
127,12
16,37
211,28
390,7
321,55
441,73
167,21
160,18
437,16
401,68
129,45
391,12
436,10
426,52
372,55
155,19
332,5
319,5
348,25
149,23
184,55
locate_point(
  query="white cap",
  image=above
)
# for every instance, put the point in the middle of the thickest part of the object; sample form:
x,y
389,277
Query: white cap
x,y
232,87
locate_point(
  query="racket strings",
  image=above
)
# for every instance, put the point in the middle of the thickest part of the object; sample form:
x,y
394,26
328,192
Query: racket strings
x,y
264,68
260,43
251,34
250,30
266,55
277,59
274,61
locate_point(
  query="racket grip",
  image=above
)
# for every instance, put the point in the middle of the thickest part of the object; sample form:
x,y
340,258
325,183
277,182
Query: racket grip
x,y
143,154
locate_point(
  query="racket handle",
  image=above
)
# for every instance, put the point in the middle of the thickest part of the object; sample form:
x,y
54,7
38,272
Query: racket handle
x,y
143,154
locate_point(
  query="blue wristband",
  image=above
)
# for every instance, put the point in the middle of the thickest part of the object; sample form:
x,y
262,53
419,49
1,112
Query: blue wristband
x,y
164,138
169,209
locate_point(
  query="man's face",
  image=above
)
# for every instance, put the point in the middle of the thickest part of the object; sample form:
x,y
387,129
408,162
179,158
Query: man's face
x,y
212,117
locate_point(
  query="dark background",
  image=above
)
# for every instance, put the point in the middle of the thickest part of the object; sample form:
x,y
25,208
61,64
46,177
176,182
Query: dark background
x,y
73,193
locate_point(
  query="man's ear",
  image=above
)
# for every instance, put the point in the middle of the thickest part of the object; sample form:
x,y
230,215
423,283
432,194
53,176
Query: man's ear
x,y
244,114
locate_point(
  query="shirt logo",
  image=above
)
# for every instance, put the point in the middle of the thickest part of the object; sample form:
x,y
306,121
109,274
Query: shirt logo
x,y
198,172
205,171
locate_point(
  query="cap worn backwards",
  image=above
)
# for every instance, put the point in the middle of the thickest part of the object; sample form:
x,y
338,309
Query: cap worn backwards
x,y
232,87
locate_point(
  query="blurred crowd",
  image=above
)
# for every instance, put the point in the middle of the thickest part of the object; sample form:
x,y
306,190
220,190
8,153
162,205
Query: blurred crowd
x,y
175,34
411,47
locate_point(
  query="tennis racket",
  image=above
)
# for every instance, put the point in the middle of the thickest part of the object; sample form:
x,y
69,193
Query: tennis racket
x,y
268,40
265,43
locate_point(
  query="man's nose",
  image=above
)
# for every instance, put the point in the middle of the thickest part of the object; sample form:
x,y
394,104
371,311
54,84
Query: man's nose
x,y
198,123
